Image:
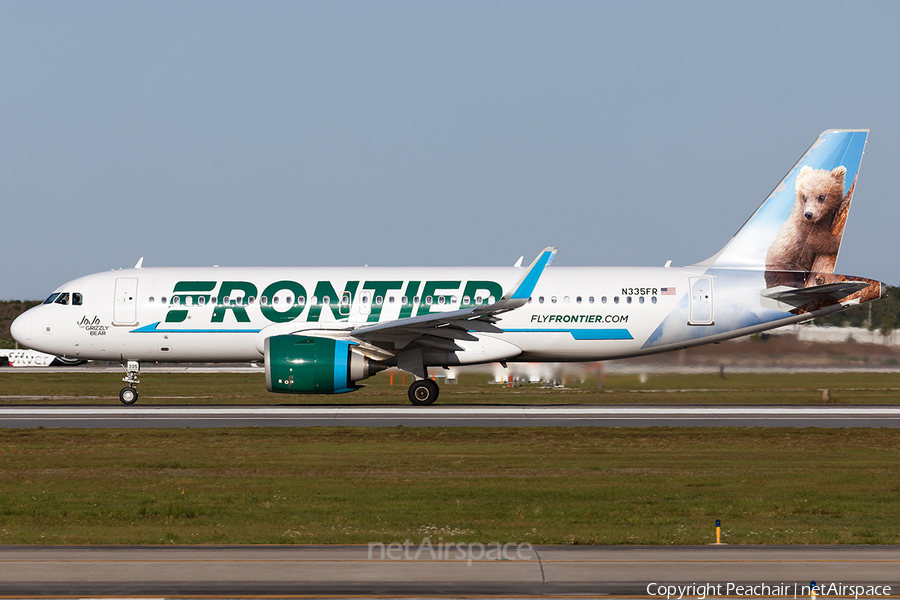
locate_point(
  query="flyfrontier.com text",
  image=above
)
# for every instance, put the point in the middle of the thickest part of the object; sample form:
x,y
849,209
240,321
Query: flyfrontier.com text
x,y
700,591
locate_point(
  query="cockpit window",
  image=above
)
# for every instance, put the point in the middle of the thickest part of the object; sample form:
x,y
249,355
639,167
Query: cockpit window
x,y
63,298
76,299
51,298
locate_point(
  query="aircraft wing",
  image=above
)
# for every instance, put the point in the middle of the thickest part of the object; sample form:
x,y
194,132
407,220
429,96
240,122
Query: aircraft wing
x,y
440,330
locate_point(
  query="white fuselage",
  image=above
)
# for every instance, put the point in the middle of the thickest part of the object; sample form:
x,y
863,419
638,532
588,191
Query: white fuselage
x,y
225,314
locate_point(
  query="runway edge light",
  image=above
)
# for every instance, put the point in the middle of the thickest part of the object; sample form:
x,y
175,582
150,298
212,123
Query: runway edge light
x,y
718,541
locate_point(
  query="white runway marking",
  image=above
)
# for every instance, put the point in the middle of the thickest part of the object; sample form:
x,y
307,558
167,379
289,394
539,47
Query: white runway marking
x,y
456,412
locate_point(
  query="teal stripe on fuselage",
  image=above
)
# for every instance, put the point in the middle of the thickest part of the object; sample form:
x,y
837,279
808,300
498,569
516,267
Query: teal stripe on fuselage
x,y
583,334
152,328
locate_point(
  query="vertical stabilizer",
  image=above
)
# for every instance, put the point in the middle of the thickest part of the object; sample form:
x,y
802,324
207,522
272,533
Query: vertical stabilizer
x,y
798,229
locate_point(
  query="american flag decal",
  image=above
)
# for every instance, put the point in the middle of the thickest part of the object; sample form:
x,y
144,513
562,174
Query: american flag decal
x,y
667,291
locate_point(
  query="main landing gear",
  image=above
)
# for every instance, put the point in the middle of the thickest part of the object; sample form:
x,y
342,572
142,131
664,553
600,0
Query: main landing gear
x,y
129,394
423,392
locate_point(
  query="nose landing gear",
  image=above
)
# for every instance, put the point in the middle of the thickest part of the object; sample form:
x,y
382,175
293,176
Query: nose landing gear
x,y
129,395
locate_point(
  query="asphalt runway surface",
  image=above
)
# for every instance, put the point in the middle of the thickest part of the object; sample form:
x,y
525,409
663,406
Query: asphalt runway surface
x,y
449,416
437,569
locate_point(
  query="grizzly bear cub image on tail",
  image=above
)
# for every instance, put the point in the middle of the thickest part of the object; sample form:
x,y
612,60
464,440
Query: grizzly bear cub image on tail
x,y
808,234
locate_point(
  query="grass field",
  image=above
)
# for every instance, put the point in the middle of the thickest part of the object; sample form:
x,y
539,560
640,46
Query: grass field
x,y
239,388
540,485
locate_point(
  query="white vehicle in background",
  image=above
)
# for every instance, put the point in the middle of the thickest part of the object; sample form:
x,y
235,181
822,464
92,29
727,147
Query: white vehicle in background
x,y
33,358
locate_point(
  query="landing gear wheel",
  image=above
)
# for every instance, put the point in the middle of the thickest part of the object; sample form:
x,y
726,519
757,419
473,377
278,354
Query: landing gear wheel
x,y
128,395
423,392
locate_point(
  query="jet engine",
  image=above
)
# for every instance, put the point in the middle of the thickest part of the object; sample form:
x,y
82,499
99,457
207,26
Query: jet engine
x,y
301,364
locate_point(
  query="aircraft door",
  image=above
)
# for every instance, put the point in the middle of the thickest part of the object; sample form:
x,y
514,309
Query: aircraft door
x,y
701,301
125,302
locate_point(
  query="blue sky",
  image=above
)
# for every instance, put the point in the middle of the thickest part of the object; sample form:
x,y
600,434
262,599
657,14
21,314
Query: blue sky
x,y
426,133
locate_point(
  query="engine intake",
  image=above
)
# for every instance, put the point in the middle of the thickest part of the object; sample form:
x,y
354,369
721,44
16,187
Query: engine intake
x,y
301,364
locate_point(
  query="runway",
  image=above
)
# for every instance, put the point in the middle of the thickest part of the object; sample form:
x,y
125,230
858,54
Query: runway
x,y
435,570
449,416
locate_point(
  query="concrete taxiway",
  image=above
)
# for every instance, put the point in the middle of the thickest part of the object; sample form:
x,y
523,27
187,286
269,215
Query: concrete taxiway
x,y
437,569
449,416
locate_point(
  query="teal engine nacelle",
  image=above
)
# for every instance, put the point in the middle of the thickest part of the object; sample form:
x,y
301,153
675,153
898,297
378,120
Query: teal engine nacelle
x,y
300,364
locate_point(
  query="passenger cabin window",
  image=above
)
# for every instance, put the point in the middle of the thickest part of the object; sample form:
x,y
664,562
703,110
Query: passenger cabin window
x,y
640,300
653,299
162,300
603,300
150,299
591,300
578,299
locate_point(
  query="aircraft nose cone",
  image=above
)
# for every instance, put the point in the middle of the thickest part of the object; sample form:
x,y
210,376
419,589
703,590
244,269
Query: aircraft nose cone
x,y
21,329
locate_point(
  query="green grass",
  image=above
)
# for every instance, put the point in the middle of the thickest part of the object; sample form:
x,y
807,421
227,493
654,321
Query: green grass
x,y
249,388
538,485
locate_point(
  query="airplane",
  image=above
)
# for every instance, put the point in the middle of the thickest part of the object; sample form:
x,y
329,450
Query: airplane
x,y
322,330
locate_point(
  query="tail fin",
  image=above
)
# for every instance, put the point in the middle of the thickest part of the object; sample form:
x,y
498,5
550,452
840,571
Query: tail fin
x,y
798,228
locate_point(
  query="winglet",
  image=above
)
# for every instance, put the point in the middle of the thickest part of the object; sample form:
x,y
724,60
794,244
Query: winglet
x,y
139,263
528,282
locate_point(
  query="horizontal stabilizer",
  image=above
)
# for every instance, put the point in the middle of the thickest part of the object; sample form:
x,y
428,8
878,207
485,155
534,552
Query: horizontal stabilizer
x,y
800,296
